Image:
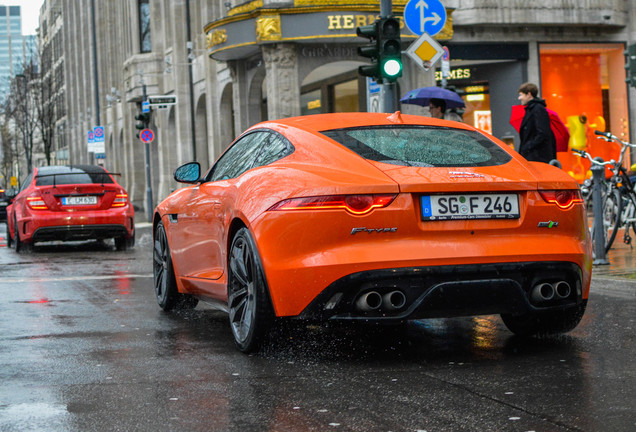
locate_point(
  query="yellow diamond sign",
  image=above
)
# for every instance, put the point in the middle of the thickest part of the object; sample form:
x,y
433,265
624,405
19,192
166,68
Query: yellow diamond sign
x,y
425,51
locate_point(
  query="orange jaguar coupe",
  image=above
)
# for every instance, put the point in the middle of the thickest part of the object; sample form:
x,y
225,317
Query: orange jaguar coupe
x,y
366,216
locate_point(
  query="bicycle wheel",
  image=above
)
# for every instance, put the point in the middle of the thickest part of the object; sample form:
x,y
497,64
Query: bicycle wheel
x,y
611,213
628,214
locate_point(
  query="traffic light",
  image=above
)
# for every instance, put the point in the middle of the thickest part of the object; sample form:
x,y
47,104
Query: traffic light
x,y
630,65
390,49
372,51
143,121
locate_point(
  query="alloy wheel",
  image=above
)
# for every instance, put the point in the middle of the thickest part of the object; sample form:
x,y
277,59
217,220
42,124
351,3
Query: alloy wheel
x,y
160,263
241,299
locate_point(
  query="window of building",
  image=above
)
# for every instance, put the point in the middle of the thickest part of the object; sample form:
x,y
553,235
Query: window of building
x,y
310,102
345,96
145,44
585,85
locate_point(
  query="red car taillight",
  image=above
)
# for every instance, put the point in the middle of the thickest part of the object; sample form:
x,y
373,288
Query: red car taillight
x,y
354,204
562,198
121,200
36,203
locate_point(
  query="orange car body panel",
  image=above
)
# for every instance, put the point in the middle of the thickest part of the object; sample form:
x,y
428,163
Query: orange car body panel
x,y
304,251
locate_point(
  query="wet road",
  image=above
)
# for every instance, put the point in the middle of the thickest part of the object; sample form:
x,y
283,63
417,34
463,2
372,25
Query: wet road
x,y
84,347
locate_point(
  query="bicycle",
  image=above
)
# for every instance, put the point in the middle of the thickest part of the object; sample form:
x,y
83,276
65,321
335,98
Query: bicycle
x,y
610,199
619,197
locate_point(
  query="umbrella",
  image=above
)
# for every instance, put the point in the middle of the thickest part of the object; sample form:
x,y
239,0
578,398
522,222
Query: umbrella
x,y
422,96
560,131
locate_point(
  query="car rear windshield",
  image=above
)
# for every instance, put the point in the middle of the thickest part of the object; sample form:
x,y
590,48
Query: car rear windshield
x,y
49,176
421,146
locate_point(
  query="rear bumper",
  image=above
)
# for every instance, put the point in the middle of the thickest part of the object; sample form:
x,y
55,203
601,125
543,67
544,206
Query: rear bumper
x,y
80,232
67,226
448,291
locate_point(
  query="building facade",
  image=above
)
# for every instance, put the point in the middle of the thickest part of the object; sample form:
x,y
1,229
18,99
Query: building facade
x,y
231,64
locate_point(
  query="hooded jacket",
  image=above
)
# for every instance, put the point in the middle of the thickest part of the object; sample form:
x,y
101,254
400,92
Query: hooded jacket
x,y
537,140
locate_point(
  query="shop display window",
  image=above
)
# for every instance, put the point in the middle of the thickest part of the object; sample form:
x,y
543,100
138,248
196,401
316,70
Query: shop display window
x,y
585,85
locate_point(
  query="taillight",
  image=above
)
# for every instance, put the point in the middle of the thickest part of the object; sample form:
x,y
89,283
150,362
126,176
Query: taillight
x,y
120,200
36,203
562,198
354,204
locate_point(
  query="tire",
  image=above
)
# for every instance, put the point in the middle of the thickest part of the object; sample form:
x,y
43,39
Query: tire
x,y
611,211
123,243
9,239
165,283
250,309
20,246
628,213
545,323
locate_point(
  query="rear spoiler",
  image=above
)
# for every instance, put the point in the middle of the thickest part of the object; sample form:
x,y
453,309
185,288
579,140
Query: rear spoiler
x,y
77,173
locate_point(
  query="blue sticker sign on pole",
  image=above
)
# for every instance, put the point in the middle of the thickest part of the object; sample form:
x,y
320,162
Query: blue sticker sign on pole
x,y
98,132
425,16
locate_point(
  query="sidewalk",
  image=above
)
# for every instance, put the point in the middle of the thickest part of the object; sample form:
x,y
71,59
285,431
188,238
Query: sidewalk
x,y
141,220
622,260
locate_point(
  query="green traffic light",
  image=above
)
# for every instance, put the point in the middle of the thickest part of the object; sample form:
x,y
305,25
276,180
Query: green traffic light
x,y
392,68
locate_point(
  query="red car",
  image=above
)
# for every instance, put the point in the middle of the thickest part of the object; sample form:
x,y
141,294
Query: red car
x,y
78,202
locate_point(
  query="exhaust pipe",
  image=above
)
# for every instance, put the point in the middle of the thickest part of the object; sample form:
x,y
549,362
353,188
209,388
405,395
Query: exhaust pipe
x,y
562,289
542,292
394,300
369,301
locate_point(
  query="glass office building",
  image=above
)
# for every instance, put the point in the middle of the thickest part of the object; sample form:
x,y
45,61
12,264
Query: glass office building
x,y
11,46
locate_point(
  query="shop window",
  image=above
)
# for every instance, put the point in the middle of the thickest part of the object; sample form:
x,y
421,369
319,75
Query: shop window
x,y
310,103
345,96
585,85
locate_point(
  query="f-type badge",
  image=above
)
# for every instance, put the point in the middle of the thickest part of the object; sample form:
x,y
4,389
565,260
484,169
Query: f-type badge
x,y
549,224
372,230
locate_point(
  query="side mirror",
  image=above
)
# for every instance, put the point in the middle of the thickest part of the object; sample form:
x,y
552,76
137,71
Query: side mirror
x,y
188,173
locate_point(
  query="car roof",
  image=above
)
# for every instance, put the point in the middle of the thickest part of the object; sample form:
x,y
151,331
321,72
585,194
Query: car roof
x,y
65,169
322,122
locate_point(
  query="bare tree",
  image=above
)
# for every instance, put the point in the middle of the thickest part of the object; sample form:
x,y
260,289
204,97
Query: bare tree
x,y
43,92
21,107
8,153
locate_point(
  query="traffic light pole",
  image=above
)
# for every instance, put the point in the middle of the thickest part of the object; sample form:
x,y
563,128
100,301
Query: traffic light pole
x,y
148,178
388,91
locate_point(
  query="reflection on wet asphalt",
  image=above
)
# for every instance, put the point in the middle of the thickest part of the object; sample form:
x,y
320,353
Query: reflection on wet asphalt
x,y
85,347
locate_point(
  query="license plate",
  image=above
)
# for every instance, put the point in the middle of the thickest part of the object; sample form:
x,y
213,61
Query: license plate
x,y
79,200
473,206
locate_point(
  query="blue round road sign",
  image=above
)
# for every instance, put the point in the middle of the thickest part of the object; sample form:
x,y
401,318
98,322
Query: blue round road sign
x,y
146,135
425,16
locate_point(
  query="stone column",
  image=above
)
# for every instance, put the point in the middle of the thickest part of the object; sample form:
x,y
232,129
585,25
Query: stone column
x,y
239,94
283,86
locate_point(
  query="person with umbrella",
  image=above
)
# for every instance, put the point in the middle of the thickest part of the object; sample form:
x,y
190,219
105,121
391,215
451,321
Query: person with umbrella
x,y
537,140
437,108
437,100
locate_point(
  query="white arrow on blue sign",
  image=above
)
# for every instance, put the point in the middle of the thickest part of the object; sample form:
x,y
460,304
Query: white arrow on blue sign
x,y
425,16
